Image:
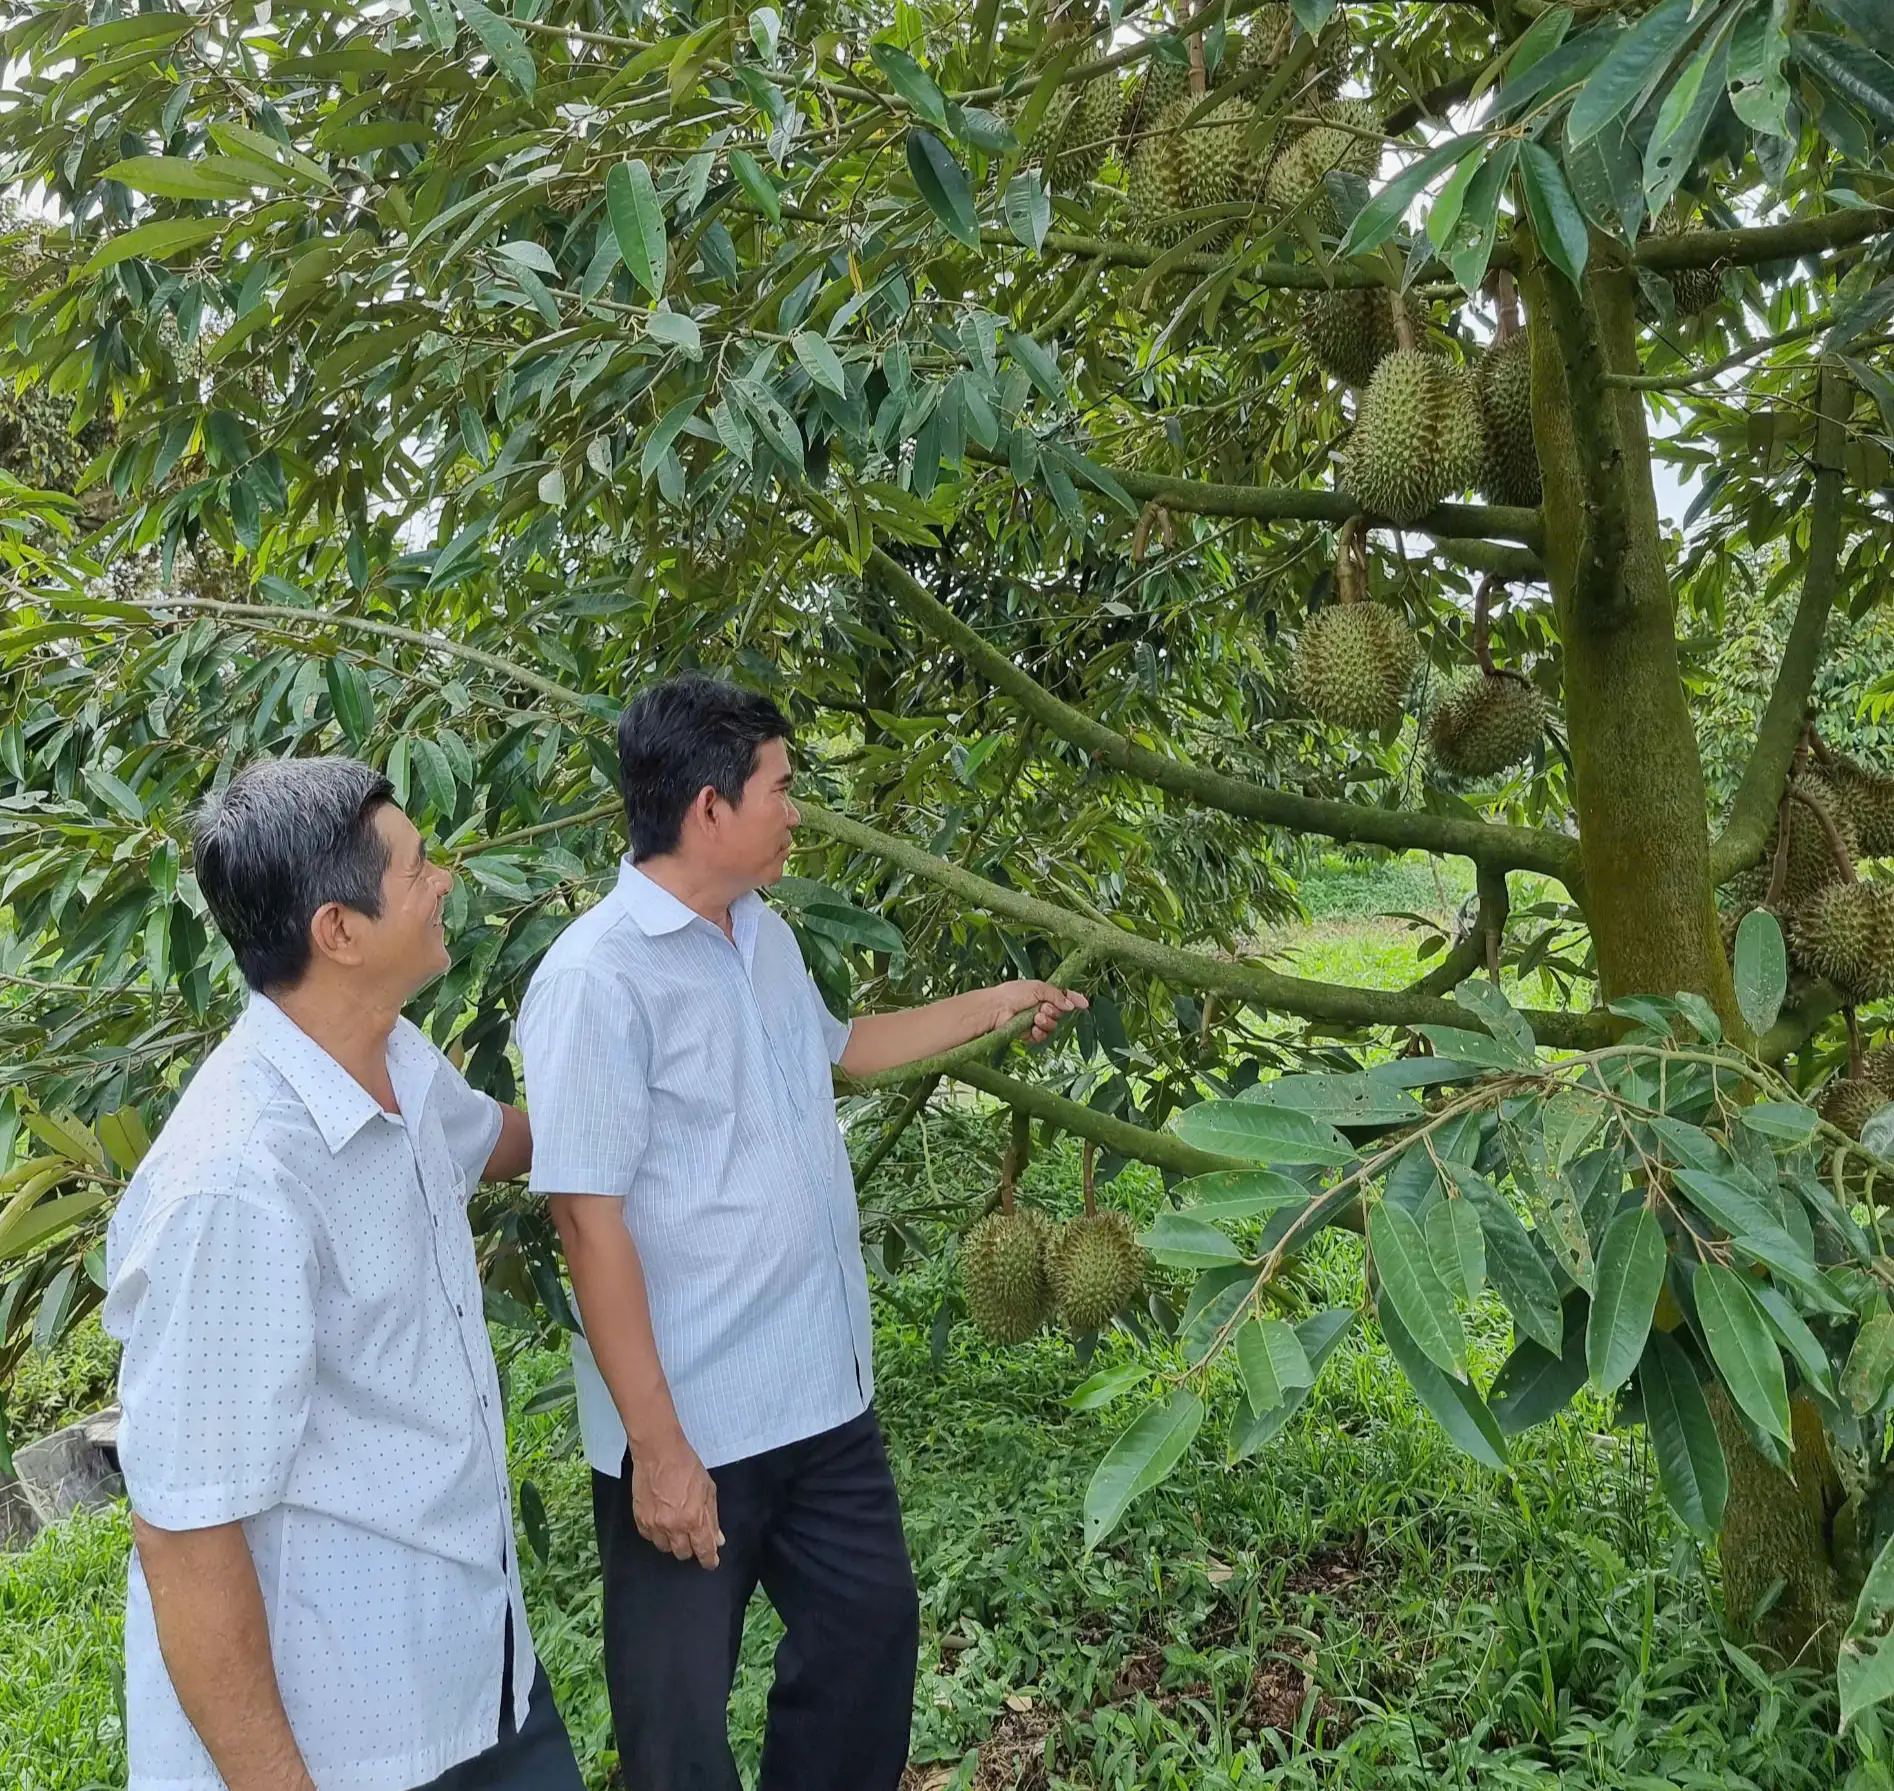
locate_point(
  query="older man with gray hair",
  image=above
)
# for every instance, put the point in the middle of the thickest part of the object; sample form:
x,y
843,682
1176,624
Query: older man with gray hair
x,y
324,1594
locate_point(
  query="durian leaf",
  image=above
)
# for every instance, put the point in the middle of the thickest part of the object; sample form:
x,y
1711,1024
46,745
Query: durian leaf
x,y
1229,1194
1513,1264
944,185
1740,1343
1410,1286
631,200
1690,1464
1626,1282
1319,1334
1759,90
1142,1457
1684,116
1381,216
1456,1246
1762,969
1635,64
1556,219
1801,1343
1106,1385
1864,1670
1870,1364
1353,1099
1256,1133
1184,1242
1533,1384
1454,1405
1272,1361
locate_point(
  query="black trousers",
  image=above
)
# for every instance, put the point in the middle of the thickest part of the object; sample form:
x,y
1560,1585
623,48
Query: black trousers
x,y
535,1757
818,1525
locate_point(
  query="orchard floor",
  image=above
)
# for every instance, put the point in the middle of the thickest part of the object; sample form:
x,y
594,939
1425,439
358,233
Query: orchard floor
x,y
1359,1607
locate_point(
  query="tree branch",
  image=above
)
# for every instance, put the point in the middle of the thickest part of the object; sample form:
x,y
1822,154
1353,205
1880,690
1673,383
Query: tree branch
x,y
1523,848
1480,944
1264,989
1741,842
891,1133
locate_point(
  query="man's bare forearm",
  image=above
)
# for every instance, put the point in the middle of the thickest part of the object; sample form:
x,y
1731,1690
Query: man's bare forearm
x,y
215,1639
885,1041
609,1281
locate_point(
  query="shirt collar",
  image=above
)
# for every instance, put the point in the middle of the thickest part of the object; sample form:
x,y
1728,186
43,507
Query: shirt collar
x,y
656,911
338,1104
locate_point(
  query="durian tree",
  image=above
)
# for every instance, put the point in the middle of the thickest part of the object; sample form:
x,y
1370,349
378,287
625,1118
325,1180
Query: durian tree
x,y
1138,450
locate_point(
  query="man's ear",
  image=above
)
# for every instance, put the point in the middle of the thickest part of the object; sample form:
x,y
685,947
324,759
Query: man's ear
x,y
334,933
704,809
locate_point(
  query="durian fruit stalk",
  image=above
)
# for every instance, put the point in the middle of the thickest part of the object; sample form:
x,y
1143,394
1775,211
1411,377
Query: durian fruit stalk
x,y
1417,437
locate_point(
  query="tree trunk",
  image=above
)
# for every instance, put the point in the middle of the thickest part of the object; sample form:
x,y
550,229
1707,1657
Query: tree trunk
x,y
1644,838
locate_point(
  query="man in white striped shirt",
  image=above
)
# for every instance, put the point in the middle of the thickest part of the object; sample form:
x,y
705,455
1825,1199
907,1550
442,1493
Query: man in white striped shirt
x,y
678,1065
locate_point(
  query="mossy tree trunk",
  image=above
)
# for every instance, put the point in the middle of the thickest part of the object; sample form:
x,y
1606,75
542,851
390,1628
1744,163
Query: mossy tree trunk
x,y
1644,829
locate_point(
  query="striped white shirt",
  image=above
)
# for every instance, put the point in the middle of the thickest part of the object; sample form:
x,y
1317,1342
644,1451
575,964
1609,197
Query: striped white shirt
x,y
293,1279
688,1078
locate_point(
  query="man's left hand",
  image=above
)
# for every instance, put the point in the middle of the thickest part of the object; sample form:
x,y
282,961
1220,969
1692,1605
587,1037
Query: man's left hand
x,y
1051,1003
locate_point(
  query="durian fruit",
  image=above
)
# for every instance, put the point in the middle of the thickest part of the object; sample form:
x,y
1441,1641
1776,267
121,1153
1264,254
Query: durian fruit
x,y
1154,189
1812,864
1878,1067
1272,36
1297,178
1078,128
1502,386
1693,289
1348,333
1486,724
1845,935
1848,1104
1145,96
1003,1274
1096,1267
1353,665
1417,437
1216,164
1866,798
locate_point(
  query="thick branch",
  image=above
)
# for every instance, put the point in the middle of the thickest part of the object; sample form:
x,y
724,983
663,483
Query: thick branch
x,y
1264,989
892,1132
1523,848
1480,945
1741,841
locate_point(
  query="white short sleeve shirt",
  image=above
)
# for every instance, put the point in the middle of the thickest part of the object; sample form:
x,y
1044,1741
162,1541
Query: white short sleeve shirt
x,y
293,1280
687,1076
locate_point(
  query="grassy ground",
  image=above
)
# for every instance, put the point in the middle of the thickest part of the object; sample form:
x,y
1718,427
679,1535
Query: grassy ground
x,y
1359,1607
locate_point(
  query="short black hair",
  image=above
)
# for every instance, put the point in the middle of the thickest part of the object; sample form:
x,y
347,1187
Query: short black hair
x,y
679,737
286,837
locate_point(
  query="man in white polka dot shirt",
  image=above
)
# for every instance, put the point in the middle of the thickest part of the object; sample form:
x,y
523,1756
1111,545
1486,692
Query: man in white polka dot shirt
x,y
324,1595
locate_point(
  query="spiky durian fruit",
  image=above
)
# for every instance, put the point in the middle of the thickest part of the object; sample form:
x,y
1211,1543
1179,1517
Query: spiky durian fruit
x,y
1867,799
1216,161
1350,332
1353,665
1003,1274
1486,724
1145,97
1845,935
1096,1267
1272,36
1812,863
1878,1068
1417,437
1077,130
1297,178
1849,1104
1502,386
1154,188
1692,289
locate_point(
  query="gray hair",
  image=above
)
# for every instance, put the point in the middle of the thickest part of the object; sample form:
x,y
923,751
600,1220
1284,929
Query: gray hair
x,y
287,837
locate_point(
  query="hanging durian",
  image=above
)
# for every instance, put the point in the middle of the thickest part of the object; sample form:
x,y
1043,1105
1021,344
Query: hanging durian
x,y
1350,332
1298,175
1487,723
1216,159
1417,436
1003,1274
1095,1264
1878,1067
1502,386
1154,188
1845,935
1692,289
1272,36
1145,96
1866,798
1849,1103
1356,658
1812,865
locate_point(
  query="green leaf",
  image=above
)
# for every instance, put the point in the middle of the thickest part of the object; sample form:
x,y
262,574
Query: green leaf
x,y
1736,1208
1864,1671
820,362
1762,969
437,775
1381,216
669,427
1456,1246
944,185
1556,219
1858,74
1759,90
678,329
1870,1365
1355,1099
1780,1119
533,1522
1740,1344
1254,1133
1106,1385
500,41
761,191
1142,1457
912,82
198,177
1634,66
1690,1465
1513,1263
1228,1194
1272,1361
1533,1384
154,241
1189,1243
1626,1281
352,701
637,223
1318,1334
1683,118
1041,367
1409,1284
1028,208
1454,1405
1458,1046
1803,1345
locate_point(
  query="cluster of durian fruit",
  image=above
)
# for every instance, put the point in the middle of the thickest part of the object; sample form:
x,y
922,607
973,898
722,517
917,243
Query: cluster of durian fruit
x,y
1178,165
1018,1269
1839,925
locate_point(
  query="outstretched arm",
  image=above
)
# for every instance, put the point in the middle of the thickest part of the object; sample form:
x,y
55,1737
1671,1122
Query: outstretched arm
x,y
886,1041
